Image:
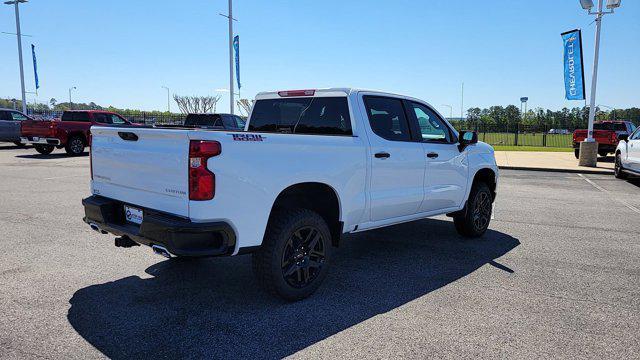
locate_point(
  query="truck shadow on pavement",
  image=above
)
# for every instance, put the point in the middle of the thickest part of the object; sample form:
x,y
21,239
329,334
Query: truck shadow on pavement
x,y
212,308
51,156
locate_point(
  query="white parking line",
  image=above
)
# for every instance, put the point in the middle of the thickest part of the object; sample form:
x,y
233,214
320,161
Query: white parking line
x,y
62,177
631,207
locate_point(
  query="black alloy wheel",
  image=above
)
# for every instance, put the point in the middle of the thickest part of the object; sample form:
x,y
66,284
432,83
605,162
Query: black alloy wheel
x,y
482,211
303,257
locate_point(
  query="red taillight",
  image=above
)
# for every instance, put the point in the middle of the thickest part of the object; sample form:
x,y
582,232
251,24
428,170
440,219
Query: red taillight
x,y
52,129
614,137
296,93
202,182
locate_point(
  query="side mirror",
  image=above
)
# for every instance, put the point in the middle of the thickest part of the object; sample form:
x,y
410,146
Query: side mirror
x,y
467,138
623,137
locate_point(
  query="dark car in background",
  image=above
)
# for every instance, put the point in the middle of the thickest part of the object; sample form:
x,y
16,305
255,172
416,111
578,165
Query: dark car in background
x,y
11,125
215,121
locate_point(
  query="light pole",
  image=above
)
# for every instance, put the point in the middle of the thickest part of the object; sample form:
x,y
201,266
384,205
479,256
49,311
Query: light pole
x,y
523,102
231,20
450,111
70,103
589,148
613,111
462,103
15,3
168,101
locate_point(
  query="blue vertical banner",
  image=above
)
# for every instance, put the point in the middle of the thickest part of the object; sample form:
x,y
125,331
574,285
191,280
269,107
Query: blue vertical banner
x,y
236,47
573,65
35,65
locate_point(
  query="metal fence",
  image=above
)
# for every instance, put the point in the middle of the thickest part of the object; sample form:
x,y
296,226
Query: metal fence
x,y
137,117
521,135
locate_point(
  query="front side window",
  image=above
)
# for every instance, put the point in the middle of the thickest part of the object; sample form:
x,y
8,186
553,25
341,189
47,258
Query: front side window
x,y
636,135
432,128
309,115
387,118
115,119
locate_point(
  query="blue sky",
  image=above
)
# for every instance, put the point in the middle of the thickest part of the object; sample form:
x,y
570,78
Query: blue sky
x,y
121,52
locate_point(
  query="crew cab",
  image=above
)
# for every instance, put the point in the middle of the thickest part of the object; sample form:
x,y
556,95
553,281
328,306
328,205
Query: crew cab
x,y
628,155
11,125
605,133
70,132
311,166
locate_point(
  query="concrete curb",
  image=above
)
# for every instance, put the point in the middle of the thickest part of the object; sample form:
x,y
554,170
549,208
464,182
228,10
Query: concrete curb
x,y
573,171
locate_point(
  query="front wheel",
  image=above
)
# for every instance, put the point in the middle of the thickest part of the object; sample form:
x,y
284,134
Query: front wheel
x,y
474,221
618,169
292,261
44,149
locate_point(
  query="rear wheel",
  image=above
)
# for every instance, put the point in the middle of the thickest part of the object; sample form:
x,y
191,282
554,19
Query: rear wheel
x,y
43,149
75,146
18,143
474,220
576,152
292,261
618,169
603,153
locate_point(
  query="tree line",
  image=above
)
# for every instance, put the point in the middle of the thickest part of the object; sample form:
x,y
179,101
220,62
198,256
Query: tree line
x,y
574,118
495,116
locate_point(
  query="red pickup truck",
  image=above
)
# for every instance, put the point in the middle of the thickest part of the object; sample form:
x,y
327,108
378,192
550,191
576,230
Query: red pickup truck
x,y
70,132
606,135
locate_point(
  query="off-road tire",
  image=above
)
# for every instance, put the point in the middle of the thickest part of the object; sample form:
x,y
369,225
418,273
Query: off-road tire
x,y
270,261
75,145
474,220
43,149
618,169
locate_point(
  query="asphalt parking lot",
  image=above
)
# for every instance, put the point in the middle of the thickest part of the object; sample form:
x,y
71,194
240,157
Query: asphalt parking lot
x,y
557,275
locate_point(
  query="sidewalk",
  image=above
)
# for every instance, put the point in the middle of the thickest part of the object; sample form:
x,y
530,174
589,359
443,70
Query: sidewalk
x,y
550,161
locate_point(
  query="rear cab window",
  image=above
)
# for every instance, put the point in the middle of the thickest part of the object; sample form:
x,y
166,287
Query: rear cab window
x,y
302,115
610,126
80,116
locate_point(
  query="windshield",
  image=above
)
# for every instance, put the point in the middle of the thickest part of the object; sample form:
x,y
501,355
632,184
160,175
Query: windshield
x,y
309,115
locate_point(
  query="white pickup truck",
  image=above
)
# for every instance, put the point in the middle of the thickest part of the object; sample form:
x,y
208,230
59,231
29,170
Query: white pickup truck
x,y
310,166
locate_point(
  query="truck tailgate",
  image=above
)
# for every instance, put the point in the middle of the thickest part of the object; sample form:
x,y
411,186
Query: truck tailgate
x,y
44,128
149,169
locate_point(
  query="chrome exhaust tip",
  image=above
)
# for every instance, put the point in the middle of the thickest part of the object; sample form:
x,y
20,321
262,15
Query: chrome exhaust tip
x,y
162,251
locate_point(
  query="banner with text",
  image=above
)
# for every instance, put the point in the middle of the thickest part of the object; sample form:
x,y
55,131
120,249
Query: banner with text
x,y
573,67
236,47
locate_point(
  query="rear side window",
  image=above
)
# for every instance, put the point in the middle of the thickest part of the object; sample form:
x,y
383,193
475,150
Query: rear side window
x,y
309,115
76,116
4,115
387,118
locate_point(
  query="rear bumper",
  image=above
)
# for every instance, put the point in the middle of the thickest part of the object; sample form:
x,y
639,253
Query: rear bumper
x,y
39,140
178,235
601,146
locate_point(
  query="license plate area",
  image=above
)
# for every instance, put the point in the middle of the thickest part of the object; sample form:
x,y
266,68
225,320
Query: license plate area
x,y
133,215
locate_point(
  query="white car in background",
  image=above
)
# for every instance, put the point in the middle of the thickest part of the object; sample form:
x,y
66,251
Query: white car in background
x,y
628,155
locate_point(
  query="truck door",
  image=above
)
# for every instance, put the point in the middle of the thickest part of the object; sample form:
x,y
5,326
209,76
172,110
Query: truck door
x,y
633,151
397,163
447,170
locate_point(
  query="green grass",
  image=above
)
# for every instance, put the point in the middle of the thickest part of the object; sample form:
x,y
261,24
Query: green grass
x,y
528,139
531,148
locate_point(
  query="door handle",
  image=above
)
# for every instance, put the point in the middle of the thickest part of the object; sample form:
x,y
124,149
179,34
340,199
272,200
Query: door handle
x,y
382,155
432,155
